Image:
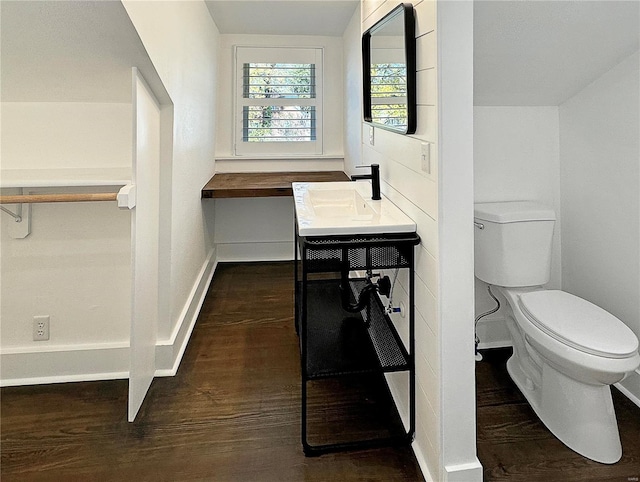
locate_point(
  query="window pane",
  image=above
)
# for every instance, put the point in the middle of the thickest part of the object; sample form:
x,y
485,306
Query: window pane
x,y
278,81
278,123
388,91
389,114
388,80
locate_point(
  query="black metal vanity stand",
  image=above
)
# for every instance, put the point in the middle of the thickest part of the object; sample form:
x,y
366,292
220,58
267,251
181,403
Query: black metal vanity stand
x,y
344,348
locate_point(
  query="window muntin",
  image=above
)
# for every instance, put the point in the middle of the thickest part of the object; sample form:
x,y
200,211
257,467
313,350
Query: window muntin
x,y
279,101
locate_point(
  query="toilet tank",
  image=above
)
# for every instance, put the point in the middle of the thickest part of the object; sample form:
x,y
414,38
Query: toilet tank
x,y
513,243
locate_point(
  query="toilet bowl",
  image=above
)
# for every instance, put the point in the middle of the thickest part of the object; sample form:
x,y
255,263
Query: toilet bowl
x,y
564,372
566,351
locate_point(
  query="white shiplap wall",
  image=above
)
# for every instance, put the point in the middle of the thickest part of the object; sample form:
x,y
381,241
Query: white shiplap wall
x,y
418,193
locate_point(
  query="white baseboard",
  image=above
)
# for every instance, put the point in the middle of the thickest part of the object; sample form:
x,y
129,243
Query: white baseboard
x,y
169,352
418,451
89,362
239,252
469,472
104,361
493,333
630,387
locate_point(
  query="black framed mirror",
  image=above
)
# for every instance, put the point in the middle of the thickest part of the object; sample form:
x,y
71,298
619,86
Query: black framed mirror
x,y
389,71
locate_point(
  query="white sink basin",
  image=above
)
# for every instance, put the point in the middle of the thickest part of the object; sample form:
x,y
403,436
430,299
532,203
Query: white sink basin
x,y
343,208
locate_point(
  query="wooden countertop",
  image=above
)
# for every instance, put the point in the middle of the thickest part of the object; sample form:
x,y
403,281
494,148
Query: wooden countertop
x,y
263,184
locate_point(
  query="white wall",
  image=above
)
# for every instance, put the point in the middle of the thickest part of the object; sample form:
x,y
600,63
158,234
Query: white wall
x,y
600,185
44,135
75,266
182,42
445,414
352,58
516,157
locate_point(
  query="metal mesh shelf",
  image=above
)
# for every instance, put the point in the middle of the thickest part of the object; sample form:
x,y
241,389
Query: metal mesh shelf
x,y
343,343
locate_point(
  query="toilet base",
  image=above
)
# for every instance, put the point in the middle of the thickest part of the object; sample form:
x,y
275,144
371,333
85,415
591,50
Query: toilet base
x,y
581,416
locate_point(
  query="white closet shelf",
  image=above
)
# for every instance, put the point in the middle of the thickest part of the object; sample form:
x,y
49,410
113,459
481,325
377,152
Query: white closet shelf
x,y
65,177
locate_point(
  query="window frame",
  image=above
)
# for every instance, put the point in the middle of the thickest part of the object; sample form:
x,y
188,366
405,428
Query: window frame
x,y
284,55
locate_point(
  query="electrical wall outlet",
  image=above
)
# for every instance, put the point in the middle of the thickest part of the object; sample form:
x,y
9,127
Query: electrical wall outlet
x,y
41,328
371,135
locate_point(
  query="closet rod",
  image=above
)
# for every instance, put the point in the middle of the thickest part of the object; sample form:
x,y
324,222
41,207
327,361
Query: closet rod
x,y
58,198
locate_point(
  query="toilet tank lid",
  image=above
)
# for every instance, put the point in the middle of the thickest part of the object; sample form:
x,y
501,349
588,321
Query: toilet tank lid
x,y
513,211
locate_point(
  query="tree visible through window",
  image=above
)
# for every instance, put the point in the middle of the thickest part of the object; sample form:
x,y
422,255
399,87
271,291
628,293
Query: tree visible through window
x,y
389,94
268,123
279,101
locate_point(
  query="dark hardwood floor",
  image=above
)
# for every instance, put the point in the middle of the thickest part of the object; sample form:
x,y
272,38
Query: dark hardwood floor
x,y
232,413
513,445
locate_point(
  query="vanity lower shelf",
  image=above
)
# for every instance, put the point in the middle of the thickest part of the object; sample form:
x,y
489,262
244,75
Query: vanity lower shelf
x,y
343,343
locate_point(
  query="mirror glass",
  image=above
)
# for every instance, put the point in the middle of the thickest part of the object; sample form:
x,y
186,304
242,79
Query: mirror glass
x,y
389,71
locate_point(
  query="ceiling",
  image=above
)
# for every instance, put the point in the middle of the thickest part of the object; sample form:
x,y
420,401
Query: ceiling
x,y
282,17
544,52
526,52
70,51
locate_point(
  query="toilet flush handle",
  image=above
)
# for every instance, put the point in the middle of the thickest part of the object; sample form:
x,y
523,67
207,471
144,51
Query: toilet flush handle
x,y
478,225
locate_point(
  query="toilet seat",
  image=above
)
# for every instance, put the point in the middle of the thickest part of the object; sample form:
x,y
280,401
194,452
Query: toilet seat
x,y
579,323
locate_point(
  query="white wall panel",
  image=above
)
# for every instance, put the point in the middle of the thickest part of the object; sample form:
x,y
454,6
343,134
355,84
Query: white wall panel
x,y
425,16
429,422
429,383
428,349
428,125
427,81
427,227
426,52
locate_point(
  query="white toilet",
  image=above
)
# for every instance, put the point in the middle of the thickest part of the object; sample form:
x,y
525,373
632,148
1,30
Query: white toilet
x,y
566,350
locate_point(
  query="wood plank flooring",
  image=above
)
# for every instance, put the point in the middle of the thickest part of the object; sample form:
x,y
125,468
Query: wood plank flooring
x,y
232,413
514,445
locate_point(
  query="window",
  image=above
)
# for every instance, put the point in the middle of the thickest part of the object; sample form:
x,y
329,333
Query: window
x,y
278,101
389,94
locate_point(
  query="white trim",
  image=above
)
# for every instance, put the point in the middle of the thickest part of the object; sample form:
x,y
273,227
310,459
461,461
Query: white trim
x,y
422,462
282,54
278,164
634,397
493,333
88,362
463,472
246,252
495,344
169,352
302,157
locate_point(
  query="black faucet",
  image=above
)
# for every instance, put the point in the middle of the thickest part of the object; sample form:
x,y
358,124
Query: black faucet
x,y
375,180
